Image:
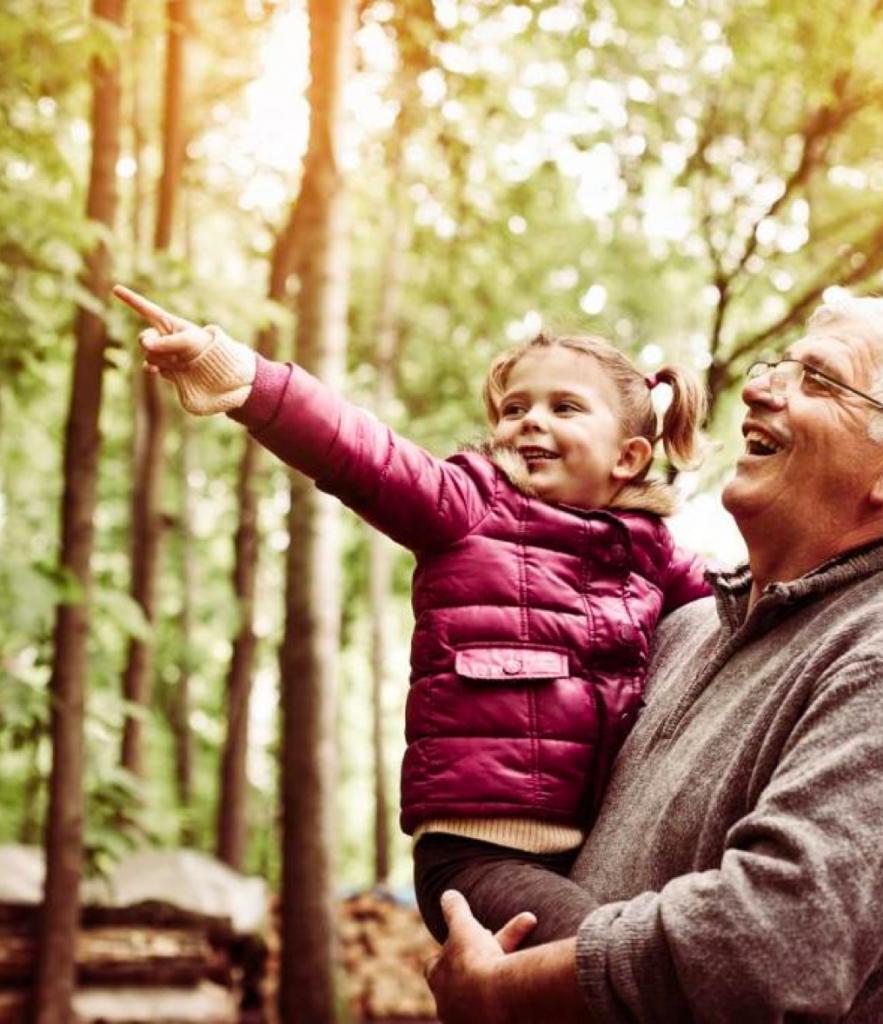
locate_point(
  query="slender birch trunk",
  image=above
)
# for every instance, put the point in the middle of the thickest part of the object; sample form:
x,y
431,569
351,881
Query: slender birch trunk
x,y
381,551
147,517
308,657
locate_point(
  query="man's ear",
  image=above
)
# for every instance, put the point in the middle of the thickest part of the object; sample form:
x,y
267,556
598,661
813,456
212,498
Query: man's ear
x,y
635,454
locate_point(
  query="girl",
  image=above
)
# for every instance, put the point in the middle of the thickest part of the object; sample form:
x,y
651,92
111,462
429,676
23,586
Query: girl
x,y
542,568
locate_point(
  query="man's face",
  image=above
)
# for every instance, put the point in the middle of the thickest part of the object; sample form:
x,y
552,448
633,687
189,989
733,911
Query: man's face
x,y
809,463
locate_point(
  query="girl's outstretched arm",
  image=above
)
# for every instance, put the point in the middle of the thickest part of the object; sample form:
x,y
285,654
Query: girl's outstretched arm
x,y
399,488
211,372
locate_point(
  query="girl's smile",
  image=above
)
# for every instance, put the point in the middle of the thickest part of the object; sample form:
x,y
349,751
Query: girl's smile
x,y
563,416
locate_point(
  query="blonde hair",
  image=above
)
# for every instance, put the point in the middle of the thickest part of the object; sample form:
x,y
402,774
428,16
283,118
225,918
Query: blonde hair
x,y
680,433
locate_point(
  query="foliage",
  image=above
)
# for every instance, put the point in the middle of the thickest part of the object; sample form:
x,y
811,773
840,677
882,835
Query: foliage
x,y
686,178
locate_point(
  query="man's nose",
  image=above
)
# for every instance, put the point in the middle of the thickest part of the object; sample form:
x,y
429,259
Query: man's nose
x,y
758,391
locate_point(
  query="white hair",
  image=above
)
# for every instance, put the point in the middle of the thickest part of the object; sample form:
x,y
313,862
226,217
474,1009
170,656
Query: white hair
x,y
866,314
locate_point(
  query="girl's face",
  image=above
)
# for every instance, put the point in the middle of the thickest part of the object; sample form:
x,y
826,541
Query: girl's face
x,y
563,415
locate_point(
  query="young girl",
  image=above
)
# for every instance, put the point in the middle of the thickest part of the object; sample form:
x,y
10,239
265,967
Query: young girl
x,y
542,568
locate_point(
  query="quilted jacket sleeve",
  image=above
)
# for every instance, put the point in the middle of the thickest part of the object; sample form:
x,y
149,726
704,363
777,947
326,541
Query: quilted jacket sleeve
x,y
418,500
684,579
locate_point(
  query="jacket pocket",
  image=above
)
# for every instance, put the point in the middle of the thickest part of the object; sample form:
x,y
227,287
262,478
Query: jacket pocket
x,y
497,663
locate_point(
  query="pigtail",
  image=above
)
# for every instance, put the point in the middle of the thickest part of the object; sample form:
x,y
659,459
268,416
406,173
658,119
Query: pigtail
x,y
681,435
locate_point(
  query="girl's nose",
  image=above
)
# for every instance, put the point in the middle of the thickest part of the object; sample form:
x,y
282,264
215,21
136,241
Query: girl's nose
x,y
533,419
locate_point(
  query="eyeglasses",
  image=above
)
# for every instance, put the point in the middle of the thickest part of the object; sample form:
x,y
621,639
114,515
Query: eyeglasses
x,y
787,374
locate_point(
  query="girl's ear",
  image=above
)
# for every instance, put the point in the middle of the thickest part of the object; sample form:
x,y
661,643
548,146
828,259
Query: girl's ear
x,y
635,454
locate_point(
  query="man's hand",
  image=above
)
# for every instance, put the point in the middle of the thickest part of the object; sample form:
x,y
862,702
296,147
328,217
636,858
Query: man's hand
x,y
171,341
464,976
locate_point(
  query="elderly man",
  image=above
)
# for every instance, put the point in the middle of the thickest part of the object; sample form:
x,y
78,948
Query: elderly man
x,y
735,873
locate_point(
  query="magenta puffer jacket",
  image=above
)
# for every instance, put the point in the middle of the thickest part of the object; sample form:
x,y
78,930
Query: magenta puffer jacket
x,y
533,620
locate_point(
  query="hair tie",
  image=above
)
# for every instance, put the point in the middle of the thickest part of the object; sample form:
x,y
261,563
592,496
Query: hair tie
x,y
651,380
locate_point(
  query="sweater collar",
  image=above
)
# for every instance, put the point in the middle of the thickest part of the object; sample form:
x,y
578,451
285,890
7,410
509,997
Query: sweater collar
x,y
732,588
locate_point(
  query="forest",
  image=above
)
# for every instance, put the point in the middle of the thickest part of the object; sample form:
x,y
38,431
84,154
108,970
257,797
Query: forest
x,y
197,648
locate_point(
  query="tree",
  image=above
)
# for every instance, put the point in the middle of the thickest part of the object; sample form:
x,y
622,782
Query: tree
x,y
147,515
64,829
232,812
308,656
387,340
776,245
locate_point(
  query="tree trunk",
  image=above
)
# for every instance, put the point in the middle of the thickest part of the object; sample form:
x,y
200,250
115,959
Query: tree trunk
x,y
146,532
64,832
147,520
173,123
232,814
232,796
379,585
308,657
381,551
138,50
181,734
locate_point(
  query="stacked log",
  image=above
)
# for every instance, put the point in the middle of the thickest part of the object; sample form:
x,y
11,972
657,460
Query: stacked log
x,y
145,963
155,963
383,948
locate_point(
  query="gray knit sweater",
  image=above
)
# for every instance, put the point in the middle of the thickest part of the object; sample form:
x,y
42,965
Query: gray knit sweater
x,y
737,865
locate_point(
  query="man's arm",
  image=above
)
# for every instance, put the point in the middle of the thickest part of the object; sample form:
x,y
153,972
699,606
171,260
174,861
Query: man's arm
x,y
477,977
789,923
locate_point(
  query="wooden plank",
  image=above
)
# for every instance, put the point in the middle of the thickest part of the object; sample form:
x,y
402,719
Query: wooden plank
x,y
142,956
148,914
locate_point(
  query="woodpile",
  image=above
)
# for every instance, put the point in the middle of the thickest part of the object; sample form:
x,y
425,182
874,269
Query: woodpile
x,y
156,963
150,962
385,947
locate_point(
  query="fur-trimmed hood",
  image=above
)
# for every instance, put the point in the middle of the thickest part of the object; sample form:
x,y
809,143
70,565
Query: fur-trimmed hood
x,y
654,496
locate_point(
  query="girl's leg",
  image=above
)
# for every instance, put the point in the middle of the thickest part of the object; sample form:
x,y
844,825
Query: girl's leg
x,y
499,882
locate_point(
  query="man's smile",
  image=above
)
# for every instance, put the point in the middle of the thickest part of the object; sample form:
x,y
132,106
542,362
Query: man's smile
x,y
760,441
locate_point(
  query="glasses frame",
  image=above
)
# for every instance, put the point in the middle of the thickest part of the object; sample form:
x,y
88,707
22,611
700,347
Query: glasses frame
x,y
767,367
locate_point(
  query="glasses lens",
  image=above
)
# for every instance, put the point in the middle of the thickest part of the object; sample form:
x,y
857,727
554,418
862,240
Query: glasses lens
x,y
782,376
786,375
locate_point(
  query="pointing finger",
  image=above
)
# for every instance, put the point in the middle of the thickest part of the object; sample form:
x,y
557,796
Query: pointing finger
x,y
164,321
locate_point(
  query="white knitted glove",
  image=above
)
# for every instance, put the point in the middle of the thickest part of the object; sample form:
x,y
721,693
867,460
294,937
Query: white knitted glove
x,y
218,379
211,372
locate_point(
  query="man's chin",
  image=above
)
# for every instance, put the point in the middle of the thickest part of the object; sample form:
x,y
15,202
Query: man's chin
x,y
733,495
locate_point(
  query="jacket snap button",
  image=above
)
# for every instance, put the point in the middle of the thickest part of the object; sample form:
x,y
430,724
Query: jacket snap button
x,y
512,666
626,634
